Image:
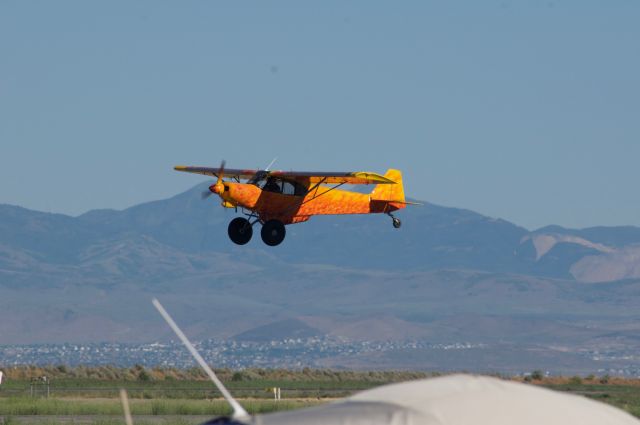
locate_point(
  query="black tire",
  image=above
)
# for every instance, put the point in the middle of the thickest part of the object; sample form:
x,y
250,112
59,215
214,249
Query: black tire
x,y
397,223
273,232
240,230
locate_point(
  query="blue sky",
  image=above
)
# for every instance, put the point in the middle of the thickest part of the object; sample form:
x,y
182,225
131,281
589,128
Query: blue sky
x,y
527,111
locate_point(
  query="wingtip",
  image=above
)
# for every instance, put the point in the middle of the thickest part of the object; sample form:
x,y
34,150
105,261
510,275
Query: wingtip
x,y
384,180
374,178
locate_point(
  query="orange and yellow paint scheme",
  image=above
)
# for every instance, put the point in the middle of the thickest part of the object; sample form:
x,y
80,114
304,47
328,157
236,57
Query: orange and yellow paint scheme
x,y
278,198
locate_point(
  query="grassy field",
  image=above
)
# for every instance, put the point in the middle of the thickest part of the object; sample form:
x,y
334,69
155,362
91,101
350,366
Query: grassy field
x,y
257,389
624,396
103,411
90,395
105,382
153,407
185,397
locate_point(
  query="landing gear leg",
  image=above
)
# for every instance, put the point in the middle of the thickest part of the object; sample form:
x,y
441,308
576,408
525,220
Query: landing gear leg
x,y
396,221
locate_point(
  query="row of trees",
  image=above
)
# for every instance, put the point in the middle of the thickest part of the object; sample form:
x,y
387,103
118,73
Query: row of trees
x,y
141,373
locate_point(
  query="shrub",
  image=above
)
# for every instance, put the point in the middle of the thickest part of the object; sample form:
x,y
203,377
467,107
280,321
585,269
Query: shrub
x,y
158,408
144,376
537,375
575,380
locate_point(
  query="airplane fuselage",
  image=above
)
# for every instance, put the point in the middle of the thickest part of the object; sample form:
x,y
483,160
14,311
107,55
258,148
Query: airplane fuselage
x,y
292,208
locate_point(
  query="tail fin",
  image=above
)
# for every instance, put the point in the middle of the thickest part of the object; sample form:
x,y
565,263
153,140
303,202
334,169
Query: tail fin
x,y
390,192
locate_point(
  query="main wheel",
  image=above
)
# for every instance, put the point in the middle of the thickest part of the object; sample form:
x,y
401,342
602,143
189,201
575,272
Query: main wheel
x,y
396,223
240,230
273,232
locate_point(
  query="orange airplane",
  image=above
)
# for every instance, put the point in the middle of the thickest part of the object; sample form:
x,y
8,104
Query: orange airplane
x,y
278,198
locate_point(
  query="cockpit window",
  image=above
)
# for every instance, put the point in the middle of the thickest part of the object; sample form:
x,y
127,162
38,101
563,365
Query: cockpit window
x,y
288,188
273,185
276,185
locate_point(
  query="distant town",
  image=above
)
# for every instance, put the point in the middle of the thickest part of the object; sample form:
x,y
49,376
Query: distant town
x,y
298,353
287,353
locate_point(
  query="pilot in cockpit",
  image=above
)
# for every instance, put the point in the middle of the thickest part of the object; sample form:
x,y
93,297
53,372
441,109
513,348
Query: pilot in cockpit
x,y
272,185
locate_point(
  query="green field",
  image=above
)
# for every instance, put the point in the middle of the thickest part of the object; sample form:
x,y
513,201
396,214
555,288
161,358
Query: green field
x,y
626,397
194,390
168,396
155,407
90,395
105,382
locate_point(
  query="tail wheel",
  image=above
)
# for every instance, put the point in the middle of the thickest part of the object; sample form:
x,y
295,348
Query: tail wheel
x,y
396,223
240,230
273,232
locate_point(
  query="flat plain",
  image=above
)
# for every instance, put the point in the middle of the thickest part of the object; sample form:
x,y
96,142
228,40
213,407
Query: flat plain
x,y
175,396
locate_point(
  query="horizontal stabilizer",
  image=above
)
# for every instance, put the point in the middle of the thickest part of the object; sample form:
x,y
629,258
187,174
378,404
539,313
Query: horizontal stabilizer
x,y
405,202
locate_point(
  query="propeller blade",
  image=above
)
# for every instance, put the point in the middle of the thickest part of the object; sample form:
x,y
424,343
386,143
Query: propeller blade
x,y
221,171
219,186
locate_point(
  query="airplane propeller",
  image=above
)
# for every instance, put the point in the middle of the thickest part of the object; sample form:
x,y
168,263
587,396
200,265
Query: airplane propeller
x,y
217,188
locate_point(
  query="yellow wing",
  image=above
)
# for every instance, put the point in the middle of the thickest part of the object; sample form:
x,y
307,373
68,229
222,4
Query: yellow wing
x,y
358,177
213,172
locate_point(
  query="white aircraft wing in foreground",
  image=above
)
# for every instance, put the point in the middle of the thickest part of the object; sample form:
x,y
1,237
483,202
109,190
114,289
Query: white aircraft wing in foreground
x,y
448,400
456,400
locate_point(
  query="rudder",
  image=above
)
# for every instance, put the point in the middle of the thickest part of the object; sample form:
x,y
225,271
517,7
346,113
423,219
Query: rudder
x,y
389,192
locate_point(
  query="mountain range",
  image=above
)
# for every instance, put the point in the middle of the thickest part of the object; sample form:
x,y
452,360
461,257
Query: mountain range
x,y
447,275
432,238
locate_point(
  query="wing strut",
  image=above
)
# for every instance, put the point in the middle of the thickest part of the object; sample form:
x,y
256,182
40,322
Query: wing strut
x,y
238,411
124,400
315,195
315,187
